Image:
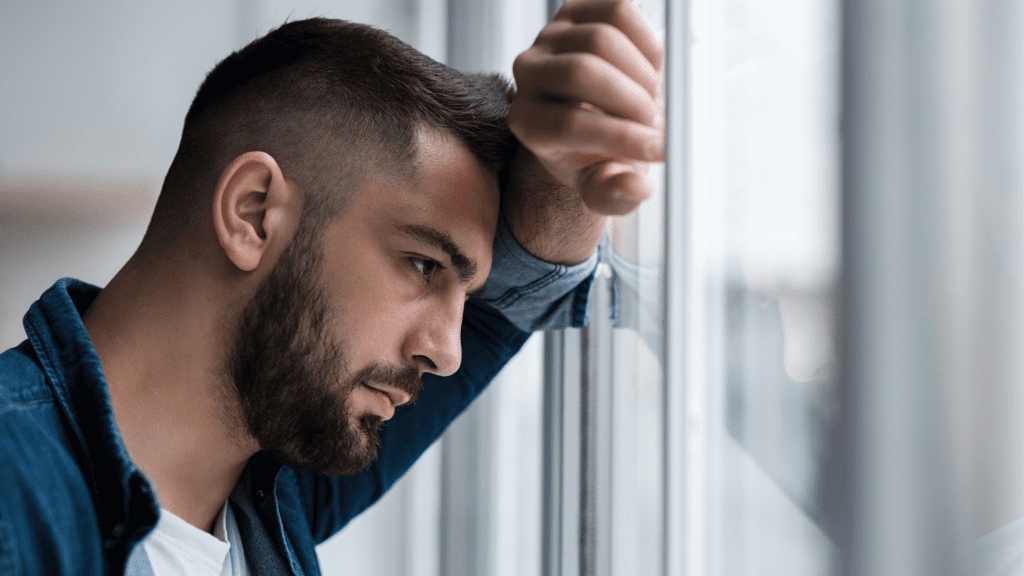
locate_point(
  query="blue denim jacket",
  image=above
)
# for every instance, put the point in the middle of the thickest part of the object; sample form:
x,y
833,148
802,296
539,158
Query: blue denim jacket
x,y
73,502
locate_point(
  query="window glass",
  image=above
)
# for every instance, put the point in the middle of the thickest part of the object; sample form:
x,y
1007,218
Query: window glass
x,y
765,197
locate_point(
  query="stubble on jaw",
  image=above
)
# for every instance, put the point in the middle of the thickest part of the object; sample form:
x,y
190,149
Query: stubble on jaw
x,y
288,384
287,373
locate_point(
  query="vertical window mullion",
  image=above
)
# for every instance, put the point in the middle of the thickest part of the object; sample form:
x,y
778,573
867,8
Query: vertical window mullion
x,y
679,538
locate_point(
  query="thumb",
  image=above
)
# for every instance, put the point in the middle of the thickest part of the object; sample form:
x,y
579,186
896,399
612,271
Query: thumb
x,y
615,188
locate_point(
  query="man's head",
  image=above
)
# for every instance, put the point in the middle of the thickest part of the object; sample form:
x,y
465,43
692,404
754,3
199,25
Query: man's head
x,y
349,183
331,101
350,318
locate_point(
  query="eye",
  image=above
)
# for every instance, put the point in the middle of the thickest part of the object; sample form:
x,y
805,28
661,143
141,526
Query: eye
x,y
425,266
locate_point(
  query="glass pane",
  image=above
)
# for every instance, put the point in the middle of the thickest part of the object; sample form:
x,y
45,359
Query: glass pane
x,y
932,328
765,200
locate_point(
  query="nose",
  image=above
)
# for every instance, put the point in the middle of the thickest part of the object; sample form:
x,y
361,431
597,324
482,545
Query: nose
x,y
435,343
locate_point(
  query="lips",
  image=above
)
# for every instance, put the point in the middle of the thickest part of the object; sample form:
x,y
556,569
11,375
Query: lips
x,y
381,403
386,398
395,396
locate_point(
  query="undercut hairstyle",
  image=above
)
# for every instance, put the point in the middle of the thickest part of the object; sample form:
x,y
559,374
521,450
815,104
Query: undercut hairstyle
x,y
331,101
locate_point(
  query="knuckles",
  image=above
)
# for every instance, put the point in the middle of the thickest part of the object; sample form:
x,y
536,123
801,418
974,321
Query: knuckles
x,y
579,69
620,12
538,128
521,70
604,39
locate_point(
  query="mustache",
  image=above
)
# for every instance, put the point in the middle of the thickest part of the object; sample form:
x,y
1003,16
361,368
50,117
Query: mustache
x,y
405,378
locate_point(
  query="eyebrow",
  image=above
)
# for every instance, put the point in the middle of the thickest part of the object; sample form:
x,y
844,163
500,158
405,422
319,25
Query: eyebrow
x,y
464,266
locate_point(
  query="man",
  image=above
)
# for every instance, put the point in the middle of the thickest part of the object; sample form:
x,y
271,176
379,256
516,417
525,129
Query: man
x,y
310,270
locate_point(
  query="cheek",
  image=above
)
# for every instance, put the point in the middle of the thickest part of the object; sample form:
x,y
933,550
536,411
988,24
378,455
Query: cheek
x,y
377,321
378,300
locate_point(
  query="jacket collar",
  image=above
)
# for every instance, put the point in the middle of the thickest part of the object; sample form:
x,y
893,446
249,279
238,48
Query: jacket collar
x,y
125,501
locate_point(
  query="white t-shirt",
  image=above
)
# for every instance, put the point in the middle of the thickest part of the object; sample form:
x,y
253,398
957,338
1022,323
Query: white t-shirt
x,y
176,548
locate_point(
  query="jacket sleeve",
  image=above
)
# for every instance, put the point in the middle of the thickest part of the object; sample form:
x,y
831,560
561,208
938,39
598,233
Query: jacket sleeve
x,y
533,294
523,294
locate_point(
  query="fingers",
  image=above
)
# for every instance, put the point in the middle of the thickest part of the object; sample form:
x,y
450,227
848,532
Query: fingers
x,y
559,128
588,105
583,77
607,42
621,14
598,52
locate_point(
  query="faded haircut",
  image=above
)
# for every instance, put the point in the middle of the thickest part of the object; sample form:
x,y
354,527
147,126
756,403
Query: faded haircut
x,y
330,100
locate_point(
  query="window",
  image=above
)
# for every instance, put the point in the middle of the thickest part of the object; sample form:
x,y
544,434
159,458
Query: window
x,y
804,355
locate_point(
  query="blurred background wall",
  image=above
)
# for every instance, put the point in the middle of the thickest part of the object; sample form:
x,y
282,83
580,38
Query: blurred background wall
x,y
92,99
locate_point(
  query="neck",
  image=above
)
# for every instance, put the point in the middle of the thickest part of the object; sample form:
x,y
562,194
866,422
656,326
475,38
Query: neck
x,y
159,333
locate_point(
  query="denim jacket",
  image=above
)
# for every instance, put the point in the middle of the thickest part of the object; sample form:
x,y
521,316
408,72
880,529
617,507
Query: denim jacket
x,y
73,502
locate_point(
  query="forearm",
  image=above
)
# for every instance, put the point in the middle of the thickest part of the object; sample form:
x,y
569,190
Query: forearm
x,y
549,221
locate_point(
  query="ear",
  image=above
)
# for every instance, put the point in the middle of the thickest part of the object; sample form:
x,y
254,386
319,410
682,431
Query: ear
x,y
252,209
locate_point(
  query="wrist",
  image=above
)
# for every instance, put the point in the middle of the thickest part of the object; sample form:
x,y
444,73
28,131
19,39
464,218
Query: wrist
x,y
548,219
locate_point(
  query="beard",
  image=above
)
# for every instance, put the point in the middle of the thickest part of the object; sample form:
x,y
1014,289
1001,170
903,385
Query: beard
x,y
290,376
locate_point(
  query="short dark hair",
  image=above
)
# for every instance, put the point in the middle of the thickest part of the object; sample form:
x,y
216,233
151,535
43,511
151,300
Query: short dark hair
x,y
329,100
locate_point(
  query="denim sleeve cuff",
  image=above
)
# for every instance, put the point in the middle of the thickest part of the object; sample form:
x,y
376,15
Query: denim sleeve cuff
x,y
533,294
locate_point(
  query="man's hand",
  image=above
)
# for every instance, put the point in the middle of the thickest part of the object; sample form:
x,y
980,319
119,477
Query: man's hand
x,y
587,111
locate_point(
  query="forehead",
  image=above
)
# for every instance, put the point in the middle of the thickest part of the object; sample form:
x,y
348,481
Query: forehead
x,y
446,169
447,189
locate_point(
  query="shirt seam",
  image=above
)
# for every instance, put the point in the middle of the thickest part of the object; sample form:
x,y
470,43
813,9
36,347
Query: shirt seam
x,y
514,294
